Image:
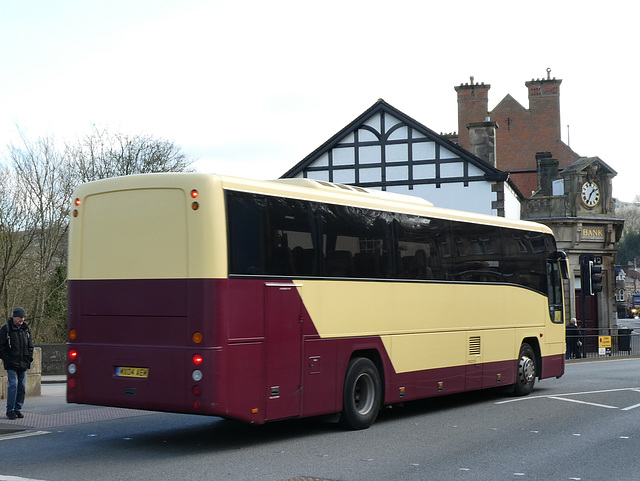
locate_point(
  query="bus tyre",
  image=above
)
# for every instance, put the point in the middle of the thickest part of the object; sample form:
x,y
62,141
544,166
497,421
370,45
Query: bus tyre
x,y
362,396
526,375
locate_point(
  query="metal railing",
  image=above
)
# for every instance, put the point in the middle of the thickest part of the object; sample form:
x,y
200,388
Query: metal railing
x,y
598,343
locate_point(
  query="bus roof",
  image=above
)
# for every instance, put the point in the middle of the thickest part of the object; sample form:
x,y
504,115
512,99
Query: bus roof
x,y
307,189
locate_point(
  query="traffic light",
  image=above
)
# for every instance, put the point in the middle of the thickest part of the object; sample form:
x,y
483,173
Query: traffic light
x,y
595,278
590,275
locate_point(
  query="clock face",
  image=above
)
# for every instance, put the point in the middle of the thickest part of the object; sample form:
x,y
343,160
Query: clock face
x,y
590,194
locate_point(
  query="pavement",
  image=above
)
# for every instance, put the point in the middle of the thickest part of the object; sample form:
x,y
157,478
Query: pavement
x,y
50,410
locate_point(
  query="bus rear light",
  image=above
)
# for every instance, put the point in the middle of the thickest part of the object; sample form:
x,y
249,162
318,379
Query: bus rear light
x,y
197,359
75,212
73,334
197,337
73,354
195,206
72,368
196,404
77,202
196,375
71,383
196,390
194,193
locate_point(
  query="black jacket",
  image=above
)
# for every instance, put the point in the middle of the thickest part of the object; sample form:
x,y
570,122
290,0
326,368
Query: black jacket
x,y
16,346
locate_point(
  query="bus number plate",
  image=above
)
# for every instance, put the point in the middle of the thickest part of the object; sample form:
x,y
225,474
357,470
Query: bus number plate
x,y
139,372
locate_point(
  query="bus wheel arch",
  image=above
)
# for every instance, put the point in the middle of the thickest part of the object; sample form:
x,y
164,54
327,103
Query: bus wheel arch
x,y
527,368
362,395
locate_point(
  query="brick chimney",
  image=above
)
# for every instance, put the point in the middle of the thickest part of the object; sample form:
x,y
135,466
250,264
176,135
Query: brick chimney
x,y
482,140
544,106
547,168
473,105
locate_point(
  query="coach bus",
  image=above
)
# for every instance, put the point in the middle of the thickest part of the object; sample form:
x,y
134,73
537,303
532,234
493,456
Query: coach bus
x,y
265,300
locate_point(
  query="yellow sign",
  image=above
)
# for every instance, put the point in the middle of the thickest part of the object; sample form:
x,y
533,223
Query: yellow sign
x,y
592,232
604,341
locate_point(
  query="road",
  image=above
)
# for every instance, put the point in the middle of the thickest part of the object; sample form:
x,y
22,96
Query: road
x,y
584,426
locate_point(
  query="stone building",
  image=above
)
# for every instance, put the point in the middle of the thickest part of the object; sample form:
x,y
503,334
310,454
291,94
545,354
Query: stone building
x,y
579,208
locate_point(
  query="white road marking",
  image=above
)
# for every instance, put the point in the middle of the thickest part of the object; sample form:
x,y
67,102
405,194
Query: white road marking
x,y
25,434
528,398
582,402
4,477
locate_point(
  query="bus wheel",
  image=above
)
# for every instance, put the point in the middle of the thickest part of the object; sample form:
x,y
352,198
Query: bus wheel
x,y
526,371
362,394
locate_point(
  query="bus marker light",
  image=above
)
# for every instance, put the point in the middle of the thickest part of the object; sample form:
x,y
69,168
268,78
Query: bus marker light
x,y
197,337
254,411
197,359
440,386
73,334
196,375
402,392
196,390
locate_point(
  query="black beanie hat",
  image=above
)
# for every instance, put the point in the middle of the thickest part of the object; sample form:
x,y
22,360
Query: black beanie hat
x,y
19,312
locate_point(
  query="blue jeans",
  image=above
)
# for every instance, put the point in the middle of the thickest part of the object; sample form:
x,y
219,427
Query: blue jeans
x,y
16,390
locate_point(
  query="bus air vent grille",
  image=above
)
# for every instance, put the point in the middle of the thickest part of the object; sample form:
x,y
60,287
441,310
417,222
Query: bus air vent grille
x,y
474,345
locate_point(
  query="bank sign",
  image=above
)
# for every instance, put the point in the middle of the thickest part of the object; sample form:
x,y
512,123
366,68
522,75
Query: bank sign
x,y
593,233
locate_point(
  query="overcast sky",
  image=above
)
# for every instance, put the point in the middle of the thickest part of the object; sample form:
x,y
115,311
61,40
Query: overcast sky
x,y
249,88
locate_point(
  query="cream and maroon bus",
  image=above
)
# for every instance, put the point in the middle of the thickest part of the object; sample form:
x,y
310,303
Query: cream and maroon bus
x,y
265,300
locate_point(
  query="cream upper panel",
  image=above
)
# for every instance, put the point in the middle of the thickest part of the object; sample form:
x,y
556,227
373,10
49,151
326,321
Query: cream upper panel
x,y
144,227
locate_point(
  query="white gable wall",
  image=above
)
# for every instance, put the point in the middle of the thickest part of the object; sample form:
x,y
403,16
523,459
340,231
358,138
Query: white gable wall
x,y
385,152
476,197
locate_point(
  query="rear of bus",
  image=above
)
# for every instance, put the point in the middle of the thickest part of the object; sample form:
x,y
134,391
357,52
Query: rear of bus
x,y
144,267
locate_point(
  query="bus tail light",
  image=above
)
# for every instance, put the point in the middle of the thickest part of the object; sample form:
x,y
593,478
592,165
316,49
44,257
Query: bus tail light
x,y
197,337
73,354
73,334
197,359
196,390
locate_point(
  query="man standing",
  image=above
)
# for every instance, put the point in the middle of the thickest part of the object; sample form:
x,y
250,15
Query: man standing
x,y
574,343
16,352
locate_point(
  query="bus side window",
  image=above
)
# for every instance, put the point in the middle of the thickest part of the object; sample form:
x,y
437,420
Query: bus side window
x,y
245,235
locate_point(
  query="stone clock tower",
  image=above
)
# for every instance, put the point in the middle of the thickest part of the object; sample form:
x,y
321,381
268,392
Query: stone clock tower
x,y
579,208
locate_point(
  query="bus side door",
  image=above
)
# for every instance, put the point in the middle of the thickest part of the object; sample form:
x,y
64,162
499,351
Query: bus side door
x,y
283,331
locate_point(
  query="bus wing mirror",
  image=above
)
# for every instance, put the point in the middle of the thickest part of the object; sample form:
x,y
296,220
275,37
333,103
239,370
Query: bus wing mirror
x,y
564,268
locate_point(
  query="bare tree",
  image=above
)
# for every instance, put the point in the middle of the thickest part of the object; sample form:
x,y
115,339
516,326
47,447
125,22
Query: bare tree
x,y
43,174
103,154
16,235
36,187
